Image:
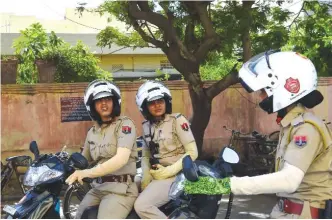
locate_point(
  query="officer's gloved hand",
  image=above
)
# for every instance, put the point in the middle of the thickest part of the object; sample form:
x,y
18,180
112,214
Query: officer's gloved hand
x,y
208,186
78,175
162,172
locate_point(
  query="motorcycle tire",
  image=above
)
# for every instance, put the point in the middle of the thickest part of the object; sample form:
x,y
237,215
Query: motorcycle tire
x,y
72,198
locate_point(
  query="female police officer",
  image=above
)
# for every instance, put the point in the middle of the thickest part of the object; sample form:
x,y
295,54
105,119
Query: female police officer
x,y
303,178
168,139
111,142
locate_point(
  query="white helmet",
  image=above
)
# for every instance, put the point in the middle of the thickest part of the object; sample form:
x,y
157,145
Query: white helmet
x,y
150,91
98,89
286,77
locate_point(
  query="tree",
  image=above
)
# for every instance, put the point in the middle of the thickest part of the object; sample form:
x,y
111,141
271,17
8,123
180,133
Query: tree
x,y
73,63
311,34
187,32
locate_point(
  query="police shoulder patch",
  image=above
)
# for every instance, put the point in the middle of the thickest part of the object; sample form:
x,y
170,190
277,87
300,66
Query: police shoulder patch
x,y
126,129
300,140
185,126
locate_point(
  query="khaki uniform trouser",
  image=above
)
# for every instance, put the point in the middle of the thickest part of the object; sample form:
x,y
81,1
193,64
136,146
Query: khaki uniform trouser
x,y
306,214
115,200
154,195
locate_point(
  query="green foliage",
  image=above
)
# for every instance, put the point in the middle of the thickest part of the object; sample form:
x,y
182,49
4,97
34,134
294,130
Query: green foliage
x,y
216,66
230,19
73,63
311,35
267,29
162,76
77,64
28,47
268,25
270,32
208,186
8,57
111,35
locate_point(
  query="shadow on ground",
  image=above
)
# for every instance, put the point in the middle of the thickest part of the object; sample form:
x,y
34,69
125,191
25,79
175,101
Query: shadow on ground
x,y
248,207
244,207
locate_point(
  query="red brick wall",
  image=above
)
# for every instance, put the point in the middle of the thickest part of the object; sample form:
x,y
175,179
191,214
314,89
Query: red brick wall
x,y
32,112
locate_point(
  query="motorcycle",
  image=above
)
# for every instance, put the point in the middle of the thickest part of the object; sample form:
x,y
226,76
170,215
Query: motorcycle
x,y
75,193
46,177
182,205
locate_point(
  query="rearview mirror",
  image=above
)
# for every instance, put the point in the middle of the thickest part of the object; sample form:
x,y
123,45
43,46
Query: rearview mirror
x,y
230,156
34,149
189,169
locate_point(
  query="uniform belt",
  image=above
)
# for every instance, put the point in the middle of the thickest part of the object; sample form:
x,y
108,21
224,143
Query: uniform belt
x,y
116,178
290,207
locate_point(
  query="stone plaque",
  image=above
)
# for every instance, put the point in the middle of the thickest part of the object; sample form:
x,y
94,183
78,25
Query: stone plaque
x,y
73,109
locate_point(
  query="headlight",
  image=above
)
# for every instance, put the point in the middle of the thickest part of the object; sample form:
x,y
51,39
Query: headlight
x,y
177,187
37,175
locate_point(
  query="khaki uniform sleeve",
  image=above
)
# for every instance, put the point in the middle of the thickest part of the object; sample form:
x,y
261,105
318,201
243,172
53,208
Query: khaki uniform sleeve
x,y
302,156
126,134
183,130
86,149
145,150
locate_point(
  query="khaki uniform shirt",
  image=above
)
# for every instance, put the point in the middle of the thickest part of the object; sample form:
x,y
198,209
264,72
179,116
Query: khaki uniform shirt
x,y
102,142
305,144
171,134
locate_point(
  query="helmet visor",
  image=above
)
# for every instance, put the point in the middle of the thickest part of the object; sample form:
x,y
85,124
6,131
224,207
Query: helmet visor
x,y
253,80
101,95
154,94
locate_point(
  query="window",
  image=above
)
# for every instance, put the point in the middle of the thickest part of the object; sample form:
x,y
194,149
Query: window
x,y
165,64
117,67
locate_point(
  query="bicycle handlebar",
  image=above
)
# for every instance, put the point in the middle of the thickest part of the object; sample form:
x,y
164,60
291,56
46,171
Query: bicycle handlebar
x,y
235,131
257,135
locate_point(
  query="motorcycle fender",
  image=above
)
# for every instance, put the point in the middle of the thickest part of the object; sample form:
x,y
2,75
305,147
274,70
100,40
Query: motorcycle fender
x,y
30,202
42,208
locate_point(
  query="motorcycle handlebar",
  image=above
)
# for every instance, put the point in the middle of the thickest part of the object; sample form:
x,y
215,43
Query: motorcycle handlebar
x,y
88,180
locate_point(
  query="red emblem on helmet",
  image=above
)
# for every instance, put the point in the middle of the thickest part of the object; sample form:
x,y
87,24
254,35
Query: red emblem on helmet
x,y
292,85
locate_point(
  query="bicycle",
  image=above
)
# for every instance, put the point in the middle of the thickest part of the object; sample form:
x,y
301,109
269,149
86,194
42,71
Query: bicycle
x,y
11,167
259,152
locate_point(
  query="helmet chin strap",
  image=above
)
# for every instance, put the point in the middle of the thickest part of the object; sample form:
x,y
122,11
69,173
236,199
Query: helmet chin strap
x,y
112,119
157,119
281,114
107,122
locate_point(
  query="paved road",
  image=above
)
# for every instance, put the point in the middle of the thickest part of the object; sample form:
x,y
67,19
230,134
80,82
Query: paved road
x,y
244,207
248,207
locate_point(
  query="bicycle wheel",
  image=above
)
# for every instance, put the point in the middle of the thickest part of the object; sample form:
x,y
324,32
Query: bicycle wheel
x,y
274,136
72,199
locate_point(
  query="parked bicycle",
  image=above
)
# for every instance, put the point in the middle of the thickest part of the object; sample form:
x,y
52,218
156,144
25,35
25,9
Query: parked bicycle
x,y
12,165
258,155
46,176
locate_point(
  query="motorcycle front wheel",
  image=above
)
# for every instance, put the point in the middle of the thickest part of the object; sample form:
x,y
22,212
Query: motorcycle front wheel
x,y
72,199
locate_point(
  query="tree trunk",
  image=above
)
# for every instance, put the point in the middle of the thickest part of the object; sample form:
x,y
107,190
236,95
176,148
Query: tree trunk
x,y
200,116
246,23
